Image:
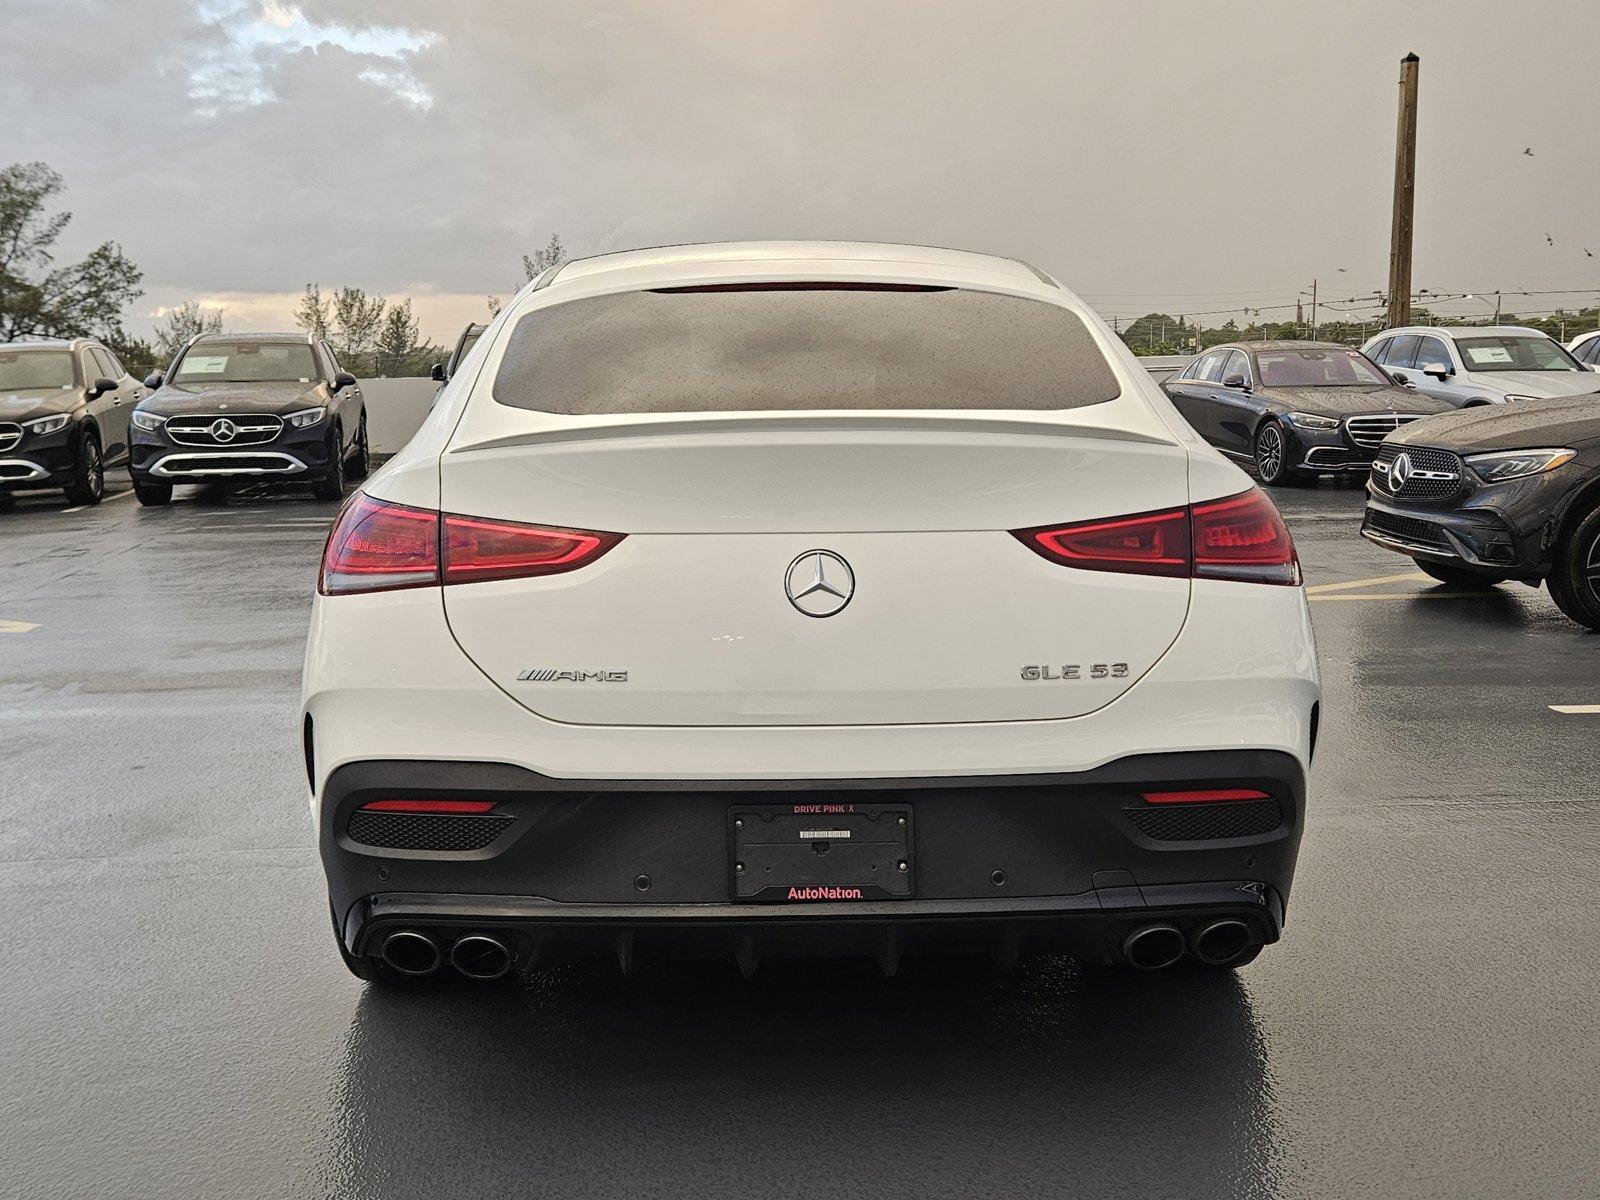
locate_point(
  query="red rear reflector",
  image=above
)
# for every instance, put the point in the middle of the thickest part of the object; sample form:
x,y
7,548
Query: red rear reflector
x,y
1205,796
429,806
376,546
477,549
1240,538
1243,538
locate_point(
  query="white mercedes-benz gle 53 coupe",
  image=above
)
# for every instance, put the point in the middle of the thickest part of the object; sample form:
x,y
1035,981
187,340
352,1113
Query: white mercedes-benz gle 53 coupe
x,y
805,598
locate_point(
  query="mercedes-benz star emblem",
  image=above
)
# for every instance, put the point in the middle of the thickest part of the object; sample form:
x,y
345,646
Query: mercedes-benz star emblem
x,y
819,583
224,430
1399,471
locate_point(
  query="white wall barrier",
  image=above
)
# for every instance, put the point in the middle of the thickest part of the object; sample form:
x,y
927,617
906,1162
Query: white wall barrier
x,y
395,409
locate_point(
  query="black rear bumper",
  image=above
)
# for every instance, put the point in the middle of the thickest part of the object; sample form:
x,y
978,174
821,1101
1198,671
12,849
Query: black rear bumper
x,y
1003,863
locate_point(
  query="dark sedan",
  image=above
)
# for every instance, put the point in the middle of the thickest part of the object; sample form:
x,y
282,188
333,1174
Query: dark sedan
x,y
1497,493
1294,410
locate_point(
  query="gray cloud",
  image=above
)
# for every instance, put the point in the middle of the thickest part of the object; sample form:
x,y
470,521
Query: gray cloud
x,y
1188,156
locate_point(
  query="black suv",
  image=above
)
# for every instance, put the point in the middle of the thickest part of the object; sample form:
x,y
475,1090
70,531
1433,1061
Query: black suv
x,y
64,409
250,406
1495,493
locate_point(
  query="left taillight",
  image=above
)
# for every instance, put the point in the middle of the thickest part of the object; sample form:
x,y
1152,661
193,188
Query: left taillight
x,y
1240,538
377,546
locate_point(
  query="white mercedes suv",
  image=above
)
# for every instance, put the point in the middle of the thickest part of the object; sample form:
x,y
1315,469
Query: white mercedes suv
x,y
805,598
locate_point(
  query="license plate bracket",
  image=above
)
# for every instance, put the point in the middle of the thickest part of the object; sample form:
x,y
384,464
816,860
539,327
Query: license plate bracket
x,y
820,852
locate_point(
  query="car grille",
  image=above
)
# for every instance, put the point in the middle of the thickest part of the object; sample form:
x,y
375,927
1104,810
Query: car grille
x,y
1206,822
247,429
1436,473
424,831
1409,529
10,435
1369,431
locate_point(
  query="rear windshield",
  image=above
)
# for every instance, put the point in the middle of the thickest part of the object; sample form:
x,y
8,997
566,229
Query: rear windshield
x,y
763,348
21,369
247,362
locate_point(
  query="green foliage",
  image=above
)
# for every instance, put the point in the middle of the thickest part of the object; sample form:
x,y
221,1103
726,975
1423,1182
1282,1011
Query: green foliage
x,y
39,299
533,265
370,335
180,324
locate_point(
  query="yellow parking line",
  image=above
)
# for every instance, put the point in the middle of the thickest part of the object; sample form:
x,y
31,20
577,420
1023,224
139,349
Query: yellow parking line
x,y
1403,596
16,626
1318,589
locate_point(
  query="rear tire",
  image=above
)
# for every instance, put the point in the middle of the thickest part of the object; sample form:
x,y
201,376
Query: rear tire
x,y
88,484
1574,579
1275,452
330,485
1459,577
152,495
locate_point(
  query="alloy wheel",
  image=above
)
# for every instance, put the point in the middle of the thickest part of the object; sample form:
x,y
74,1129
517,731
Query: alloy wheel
x,y
1269,453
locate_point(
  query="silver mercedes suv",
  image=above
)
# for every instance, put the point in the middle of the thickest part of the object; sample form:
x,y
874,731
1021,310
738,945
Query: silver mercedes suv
x,y
1469,365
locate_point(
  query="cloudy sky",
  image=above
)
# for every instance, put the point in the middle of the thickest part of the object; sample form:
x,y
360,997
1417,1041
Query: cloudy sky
x,y
1182,157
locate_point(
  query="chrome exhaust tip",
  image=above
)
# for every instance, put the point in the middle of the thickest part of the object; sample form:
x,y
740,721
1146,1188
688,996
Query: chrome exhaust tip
x,y
411,953
1223,941
479,956
1153,947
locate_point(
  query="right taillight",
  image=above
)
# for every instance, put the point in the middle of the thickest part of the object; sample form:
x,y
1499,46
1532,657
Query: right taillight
x,y
1240,538
377,546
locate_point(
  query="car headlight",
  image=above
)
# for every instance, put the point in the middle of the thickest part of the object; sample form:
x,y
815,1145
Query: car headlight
x,y
306,417
1312,421
149,422
1517,464
1515,399
43,425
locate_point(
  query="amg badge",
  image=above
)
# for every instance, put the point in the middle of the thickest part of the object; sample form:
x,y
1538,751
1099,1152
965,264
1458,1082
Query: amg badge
x,y
551,675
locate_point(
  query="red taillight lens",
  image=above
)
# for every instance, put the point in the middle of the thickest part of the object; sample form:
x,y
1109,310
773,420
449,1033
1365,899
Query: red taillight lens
x,y
429,806
476,549
1204,796
1240,538
1243,538
376,546
1144,544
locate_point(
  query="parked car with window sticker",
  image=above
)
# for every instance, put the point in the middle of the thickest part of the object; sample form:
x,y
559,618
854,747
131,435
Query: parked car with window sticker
x,y
250,407
1294,410
1470,365
64,408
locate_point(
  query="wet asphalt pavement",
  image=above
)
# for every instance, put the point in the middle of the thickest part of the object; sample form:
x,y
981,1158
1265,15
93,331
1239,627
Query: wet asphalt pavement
x,y
174,1020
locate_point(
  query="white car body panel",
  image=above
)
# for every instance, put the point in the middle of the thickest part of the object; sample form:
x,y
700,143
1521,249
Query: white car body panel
x,y
918,676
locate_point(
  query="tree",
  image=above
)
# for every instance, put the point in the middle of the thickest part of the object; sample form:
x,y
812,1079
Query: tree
x,y
541,260
357,318
399,341
312,314
494,306
80,299
178,325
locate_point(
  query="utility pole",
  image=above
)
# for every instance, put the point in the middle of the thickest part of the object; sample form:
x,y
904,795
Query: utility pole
x,y
1313,310
1497,308
1405,184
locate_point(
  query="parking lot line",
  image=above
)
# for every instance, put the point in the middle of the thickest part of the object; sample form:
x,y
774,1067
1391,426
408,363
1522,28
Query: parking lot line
x,y
1321,588
17,626
104,500
1402,596
1575,709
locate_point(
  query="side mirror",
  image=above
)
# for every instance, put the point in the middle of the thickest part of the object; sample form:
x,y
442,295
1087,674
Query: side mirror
x,y
1438,370
153,380
1235,381
1400,378
342,380
101,387
436,373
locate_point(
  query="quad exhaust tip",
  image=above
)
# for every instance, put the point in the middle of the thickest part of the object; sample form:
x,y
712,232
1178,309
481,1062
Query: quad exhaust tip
x,y
411,953
479,956
1153,947
1223,941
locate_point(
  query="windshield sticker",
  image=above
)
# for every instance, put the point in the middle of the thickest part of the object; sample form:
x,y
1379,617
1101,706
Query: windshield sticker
x,y
1485,355
207,364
